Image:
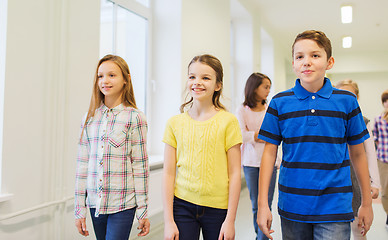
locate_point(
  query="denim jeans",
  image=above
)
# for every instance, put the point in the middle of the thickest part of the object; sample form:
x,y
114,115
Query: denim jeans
x,y
190,218
292,230
115,226
252,180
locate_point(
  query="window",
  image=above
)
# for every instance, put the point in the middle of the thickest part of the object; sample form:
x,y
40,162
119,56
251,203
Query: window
x,y
3,30
124,31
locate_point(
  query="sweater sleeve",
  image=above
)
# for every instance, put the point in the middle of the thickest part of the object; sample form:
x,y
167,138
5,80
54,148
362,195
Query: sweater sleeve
x,y
372,159
247,135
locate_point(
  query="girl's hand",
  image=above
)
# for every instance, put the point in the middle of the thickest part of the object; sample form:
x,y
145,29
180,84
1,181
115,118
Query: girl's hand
x,y
144,226
375,192
81,226
227,231
257,139
171,231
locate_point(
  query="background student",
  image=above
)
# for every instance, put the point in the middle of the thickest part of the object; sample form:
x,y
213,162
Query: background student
x,y
201,182
369,147
112,165
315,122
250,116
380,131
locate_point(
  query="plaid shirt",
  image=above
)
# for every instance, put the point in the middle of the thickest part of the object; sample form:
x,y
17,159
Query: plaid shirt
x,y
112,164
380,132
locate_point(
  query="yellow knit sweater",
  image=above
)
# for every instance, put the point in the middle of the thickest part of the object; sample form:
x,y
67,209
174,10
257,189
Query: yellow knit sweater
x,y
202,164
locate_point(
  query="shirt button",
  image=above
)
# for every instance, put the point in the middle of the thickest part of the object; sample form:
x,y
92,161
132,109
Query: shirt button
x,y
313,97
102,146
312,110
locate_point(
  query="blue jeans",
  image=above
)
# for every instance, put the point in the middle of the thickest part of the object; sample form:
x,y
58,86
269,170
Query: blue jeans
x,y
292,230
252,179
190,218
115,226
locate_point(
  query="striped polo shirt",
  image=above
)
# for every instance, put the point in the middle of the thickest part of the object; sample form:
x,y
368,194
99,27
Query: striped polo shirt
x,y
314,180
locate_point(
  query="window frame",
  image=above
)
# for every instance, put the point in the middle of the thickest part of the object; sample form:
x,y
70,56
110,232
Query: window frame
x,y
3,44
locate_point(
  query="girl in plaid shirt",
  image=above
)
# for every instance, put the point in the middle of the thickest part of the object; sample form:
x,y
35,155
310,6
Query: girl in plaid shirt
x,y
380,132
112,164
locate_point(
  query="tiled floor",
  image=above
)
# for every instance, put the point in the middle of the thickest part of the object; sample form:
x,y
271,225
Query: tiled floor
x,y
244,225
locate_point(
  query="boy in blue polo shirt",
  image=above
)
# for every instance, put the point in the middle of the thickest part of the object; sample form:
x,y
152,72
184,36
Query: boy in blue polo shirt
x,y
315,122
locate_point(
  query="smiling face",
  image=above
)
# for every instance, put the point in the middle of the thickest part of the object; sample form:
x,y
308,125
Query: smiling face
x,y
110,81
202,82
310,64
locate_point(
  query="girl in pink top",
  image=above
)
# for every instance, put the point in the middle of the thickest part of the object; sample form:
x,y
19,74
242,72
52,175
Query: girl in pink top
x,y
250,116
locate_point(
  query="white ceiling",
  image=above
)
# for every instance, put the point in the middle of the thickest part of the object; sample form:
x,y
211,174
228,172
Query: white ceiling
x,y
369,29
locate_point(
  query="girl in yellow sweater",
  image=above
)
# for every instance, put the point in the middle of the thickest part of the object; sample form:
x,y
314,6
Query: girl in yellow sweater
x,y
201,182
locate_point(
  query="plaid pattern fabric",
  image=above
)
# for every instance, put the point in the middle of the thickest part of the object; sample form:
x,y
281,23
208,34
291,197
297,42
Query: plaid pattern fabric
x,y
112,164
380,132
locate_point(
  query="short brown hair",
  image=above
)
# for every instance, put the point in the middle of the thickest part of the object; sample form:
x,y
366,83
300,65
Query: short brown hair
x,y
318,37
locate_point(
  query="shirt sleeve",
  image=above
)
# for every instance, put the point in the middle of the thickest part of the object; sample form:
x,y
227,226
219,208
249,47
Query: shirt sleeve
x,y
375,130
233,134
169,136
356,129
140,168
247,136
81,174
270,129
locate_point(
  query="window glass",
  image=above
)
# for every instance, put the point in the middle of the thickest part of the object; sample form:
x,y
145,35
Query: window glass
x,y
131,44
124,33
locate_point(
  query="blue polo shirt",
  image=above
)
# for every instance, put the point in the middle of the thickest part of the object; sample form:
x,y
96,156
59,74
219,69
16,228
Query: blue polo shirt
x,y
314,178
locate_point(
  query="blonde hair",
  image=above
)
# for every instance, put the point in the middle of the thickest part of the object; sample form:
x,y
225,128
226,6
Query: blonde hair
x,y
216,65
128,96
349,82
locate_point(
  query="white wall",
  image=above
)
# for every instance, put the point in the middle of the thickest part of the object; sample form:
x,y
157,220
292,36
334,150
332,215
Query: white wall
x,y
206,29
371,85
52,50
242,51
166,83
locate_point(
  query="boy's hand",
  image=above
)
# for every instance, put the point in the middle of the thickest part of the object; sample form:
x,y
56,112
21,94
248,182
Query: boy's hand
x,y
144,226
81,226
375,192
227,231
171,231
365,218
264,220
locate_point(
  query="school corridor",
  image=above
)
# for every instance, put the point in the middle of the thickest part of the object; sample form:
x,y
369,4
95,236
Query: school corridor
x,y
244,228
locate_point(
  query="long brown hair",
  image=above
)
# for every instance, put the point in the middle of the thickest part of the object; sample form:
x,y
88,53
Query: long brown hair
x,y
253,82
216,65
384,97
128,96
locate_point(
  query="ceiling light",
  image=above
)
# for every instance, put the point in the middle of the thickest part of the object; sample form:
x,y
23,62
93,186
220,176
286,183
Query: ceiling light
x,y
347,42
346,14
